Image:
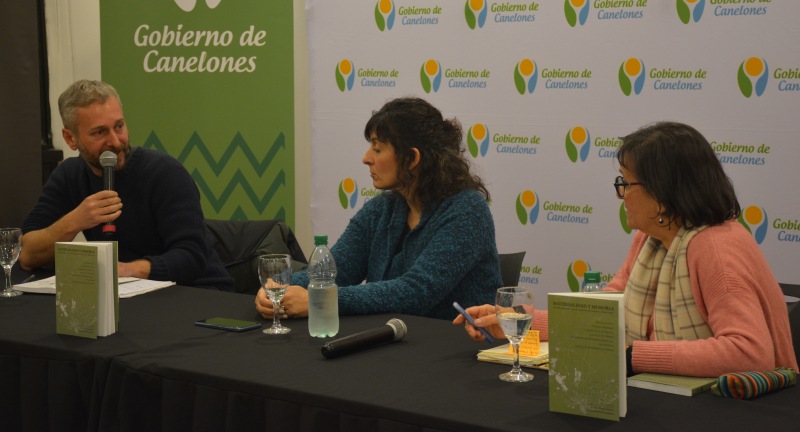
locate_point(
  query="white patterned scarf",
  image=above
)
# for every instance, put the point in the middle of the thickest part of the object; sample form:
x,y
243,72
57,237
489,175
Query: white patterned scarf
x,y
660,280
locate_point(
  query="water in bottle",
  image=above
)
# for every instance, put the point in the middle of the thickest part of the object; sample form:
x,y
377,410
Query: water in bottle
x,y
591,282
323,293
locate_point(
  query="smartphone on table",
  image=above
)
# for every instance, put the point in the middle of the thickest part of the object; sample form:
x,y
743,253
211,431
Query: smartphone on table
x,y
229,324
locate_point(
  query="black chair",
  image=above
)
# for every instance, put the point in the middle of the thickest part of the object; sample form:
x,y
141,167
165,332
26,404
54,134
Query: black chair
x,y
792,294
510,266
240,243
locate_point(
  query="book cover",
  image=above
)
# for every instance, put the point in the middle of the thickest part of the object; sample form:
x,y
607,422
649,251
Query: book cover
x,y
675,384
86,289
587,354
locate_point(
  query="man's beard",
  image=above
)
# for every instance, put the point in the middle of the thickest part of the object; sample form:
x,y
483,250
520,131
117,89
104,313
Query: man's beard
x,y
94,160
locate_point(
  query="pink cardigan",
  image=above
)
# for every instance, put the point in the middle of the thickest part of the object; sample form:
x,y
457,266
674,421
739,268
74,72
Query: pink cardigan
x,y
738,296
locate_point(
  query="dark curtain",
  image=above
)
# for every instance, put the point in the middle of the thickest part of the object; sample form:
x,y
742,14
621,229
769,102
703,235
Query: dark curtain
x,y
24,108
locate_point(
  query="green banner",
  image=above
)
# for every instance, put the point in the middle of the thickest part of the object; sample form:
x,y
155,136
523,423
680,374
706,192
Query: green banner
x,y
211,83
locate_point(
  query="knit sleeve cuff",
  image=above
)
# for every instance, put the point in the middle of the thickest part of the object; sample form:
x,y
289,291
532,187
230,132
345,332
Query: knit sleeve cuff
x,y
654,357
540,323
158,268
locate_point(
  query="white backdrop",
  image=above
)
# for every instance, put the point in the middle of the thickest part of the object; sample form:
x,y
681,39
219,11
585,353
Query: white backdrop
x,y
547,151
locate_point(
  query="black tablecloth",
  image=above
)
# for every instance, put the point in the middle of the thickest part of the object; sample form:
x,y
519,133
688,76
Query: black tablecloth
x,y
160,372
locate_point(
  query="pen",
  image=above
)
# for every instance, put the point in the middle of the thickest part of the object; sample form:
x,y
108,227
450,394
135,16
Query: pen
x,y
469,319
27,279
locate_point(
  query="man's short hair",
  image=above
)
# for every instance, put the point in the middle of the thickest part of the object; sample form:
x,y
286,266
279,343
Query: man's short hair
x,y
80,94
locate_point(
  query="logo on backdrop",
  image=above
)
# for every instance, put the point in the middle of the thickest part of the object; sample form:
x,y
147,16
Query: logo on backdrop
x,y
784,226
530,275
623,218
607,146
690,10
348,195
475,13
430,75
575,272
732,153
525,74
576,11
738,11
188,5
345,75
753,76
384,14
515,143
578,143
555,78
754,219
478,140
631,76
527,207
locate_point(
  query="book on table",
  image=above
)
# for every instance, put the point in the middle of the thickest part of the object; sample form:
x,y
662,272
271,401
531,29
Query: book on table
x,y
675,384
587,354
87,302
533,353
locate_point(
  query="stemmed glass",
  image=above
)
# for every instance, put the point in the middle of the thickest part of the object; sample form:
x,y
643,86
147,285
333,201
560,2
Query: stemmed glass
x,y
10,245
514,310
275,274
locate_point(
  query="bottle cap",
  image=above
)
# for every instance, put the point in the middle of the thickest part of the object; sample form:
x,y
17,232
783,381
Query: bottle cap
x,y
320,240
591,277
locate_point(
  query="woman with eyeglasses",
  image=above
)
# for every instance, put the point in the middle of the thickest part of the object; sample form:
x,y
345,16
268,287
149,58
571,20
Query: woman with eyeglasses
x,y
700,298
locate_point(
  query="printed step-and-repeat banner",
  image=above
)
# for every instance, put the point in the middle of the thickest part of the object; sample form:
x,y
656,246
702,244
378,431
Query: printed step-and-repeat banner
x,y
544,89
211,83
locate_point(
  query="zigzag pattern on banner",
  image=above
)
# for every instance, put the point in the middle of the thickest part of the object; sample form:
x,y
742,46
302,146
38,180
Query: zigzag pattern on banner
x,y
238,180
260,203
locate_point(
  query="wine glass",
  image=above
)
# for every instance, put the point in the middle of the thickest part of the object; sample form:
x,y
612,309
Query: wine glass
x,y
10,245
275,274
514,310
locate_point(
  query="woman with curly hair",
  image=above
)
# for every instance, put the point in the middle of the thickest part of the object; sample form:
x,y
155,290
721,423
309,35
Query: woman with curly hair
x,y
425,242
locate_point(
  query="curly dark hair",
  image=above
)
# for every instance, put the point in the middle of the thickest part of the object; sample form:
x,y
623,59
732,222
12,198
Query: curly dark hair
x,y
677,166
411,122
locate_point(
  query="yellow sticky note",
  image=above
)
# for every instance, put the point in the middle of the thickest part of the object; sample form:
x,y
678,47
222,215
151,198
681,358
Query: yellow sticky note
x,y
529,347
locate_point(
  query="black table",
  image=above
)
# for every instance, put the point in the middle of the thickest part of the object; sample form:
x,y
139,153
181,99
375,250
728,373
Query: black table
x,y
160,372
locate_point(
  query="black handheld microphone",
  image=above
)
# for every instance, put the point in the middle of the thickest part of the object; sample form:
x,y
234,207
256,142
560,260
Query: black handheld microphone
x,y
393,331
108,160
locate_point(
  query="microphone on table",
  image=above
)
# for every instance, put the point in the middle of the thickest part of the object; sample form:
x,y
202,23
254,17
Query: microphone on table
x,y
108,160
393,331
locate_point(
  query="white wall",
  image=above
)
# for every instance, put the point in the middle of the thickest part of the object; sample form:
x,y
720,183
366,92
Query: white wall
x,y
73,40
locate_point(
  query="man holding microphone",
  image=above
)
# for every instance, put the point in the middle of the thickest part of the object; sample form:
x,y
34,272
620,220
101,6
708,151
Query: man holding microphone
x,y
160,231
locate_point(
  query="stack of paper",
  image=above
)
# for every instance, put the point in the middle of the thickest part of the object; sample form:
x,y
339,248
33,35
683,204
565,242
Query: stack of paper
x,y
505,355
128,286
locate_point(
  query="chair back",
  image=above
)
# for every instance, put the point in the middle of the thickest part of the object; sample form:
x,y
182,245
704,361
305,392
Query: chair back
x,y
510,266
792,295
240,243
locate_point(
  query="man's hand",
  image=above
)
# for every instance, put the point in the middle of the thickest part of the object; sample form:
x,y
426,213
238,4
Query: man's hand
x,y
38,247
104,206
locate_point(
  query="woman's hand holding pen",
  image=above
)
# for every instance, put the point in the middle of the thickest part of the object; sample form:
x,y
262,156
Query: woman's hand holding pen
x,y
484,317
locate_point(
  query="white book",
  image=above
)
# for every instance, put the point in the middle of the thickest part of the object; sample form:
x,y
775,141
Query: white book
x,y
87,301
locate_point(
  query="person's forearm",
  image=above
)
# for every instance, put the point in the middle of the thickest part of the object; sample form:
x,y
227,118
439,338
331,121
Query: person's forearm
x,y
138,268
38,247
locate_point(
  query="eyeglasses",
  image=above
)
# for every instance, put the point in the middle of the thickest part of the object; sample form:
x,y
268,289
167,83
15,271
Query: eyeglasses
x,y
620,185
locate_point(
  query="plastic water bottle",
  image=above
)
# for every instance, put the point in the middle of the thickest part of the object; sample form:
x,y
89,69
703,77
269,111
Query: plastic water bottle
x,y
591,282
323,293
